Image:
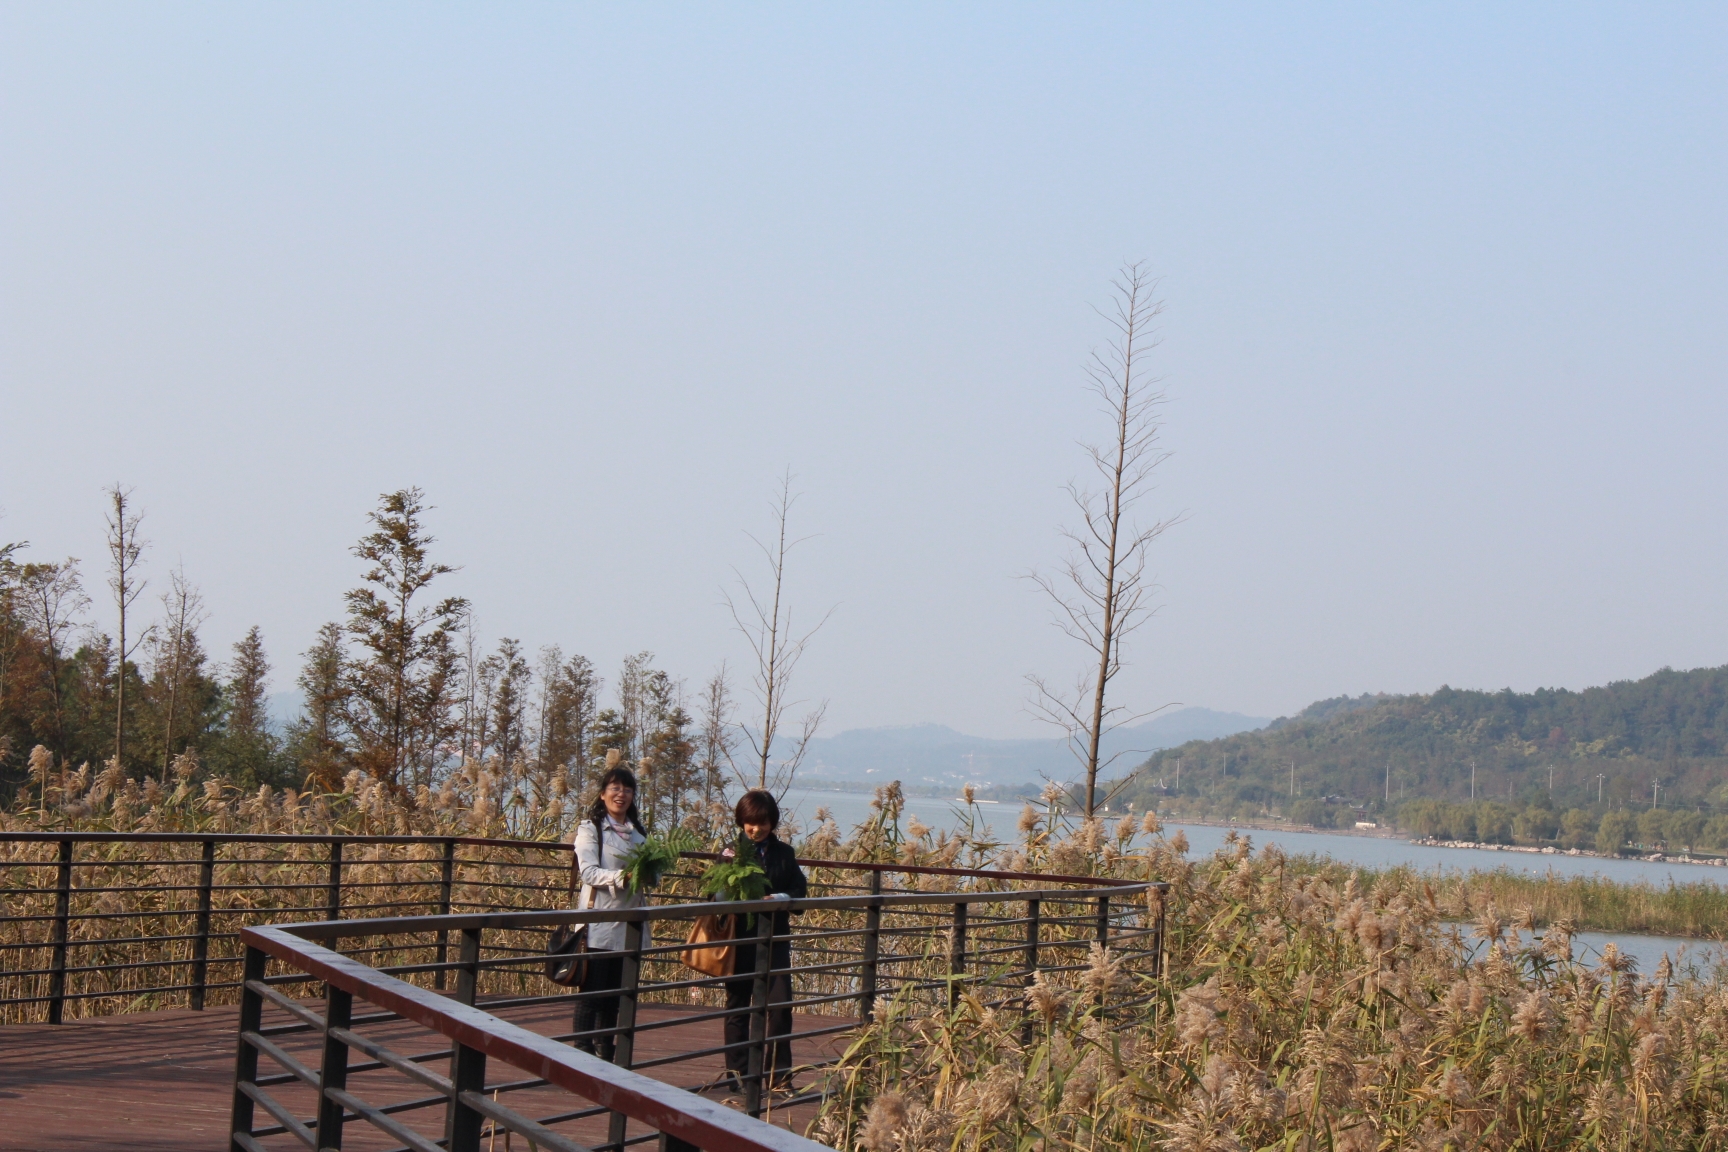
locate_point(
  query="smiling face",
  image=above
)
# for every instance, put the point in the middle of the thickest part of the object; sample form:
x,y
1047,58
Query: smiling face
x,y
758,831
617,798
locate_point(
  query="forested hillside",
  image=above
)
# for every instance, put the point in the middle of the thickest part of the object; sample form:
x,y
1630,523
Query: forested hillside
x,y
1661,741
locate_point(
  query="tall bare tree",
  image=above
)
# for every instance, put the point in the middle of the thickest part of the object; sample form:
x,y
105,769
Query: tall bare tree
x,y
125,550
765,619
1100,593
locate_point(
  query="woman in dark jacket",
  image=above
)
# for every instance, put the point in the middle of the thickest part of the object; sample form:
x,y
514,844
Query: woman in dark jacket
x,y
758,815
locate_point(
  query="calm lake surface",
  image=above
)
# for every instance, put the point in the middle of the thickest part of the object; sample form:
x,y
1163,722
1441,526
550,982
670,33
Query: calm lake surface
x,y
850,809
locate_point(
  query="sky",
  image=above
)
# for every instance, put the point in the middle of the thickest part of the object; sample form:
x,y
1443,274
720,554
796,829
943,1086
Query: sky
x,y
1443,339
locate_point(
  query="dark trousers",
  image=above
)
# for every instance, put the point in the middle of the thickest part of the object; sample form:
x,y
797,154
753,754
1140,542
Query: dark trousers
x,y
777,1059
600,1011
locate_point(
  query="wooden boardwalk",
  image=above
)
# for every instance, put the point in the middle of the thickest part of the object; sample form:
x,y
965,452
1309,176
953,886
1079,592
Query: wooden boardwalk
x,y
162,1080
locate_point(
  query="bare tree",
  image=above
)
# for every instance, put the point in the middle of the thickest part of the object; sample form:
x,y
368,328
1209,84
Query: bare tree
x,y
765,620
183,607
1100,593
124,551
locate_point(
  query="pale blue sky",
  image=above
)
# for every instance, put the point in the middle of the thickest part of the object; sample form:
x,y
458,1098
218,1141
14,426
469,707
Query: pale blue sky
x,y
1445,334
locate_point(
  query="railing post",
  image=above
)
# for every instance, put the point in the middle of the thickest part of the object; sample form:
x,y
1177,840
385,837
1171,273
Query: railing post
x,y
671,1143
462,1124
468,975
446,880
62,915
624,1040
246,1056
956,956
756,1069
872,950
1103,946
333,1073
201,939
333,894
1034,929
467,1065
1158,948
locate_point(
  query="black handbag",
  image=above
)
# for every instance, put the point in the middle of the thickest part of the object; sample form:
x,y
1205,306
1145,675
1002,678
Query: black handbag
x,y
567,951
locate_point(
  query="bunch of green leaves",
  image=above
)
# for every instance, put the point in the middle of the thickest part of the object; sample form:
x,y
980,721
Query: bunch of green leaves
x,y
644,864
740,878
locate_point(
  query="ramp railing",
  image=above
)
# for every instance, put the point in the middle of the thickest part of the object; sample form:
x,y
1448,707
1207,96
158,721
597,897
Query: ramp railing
x,y
940,950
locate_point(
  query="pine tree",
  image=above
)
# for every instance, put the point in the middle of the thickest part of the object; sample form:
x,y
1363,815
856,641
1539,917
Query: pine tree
x,y
315,738
509,724
248,751
569,697
403,690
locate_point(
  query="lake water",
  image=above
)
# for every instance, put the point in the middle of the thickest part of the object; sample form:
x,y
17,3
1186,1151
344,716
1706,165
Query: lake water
x,y
850,809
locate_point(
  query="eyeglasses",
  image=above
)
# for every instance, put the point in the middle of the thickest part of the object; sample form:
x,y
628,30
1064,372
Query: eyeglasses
x,y
620,789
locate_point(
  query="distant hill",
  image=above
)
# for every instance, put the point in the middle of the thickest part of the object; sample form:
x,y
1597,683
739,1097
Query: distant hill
x,y
935,754
1670,729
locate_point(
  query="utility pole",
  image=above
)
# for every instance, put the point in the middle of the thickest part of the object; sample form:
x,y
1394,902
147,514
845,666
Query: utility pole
x,y
1598,787
1472,779
1292,779
1178,773
1654,787
1550,779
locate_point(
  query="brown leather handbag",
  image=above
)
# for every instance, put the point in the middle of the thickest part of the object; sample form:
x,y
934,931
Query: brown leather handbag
x,y
708,948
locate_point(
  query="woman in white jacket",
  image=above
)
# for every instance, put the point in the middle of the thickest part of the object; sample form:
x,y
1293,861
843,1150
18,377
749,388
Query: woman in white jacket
x,y
611,830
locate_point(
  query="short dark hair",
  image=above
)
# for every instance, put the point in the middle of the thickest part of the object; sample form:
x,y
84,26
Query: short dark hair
x,y
757,806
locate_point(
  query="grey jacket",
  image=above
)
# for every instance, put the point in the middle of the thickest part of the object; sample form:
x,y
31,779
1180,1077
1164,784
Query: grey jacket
x,y
602,867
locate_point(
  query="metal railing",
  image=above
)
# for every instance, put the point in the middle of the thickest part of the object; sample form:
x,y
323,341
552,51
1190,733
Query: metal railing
x,y
96,923
984,941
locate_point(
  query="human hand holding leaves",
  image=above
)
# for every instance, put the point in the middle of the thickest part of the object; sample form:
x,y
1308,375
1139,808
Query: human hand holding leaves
x,y
740,878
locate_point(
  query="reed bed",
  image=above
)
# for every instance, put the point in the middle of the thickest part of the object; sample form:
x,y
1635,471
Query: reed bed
x,y
1305,1010
1588,903
133,905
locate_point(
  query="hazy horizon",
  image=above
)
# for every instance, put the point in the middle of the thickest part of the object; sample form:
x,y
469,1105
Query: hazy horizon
x,y
1442,338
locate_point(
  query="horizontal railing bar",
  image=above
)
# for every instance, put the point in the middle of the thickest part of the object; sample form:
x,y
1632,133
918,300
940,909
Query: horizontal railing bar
x,y
271,838
541,1135
378,1119
275,1053
385,1057
287,1004
579,1114
283,1117
338,929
